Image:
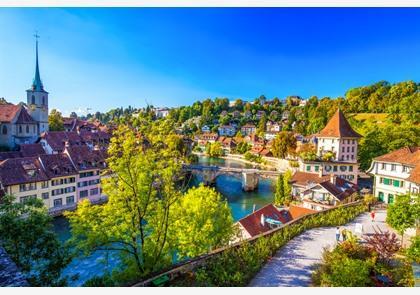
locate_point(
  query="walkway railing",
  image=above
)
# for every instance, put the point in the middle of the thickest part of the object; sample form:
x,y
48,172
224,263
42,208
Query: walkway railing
x,y
230,169
187,266
57,211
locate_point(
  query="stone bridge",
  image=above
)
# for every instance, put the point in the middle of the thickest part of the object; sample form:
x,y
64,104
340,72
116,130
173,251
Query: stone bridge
x,y
250,177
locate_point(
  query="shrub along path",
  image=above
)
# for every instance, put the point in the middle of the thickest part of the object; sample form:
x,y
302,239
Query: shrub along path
x,y
293,263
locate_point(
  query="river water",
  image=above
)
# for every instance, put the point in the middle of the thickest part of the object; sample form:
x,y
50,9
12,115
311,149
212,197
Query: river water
x,y
241,204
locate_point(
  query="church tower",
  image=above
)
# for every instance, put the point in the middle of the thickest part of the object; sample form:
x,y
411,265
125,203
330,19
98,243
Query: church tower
x,y
37,98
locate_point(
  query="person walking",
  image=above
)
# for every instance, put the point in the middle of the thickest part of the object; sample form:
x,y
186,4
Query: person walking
x,y
337,234
372,216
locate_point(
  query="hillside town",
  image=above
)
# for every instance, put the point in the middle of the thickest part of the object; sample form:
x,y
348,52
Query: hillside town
x,y
311,173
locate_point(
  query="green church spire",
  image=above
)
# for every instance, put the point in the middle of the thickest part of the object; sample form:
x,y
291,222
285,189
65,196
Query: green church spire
x,y
37,83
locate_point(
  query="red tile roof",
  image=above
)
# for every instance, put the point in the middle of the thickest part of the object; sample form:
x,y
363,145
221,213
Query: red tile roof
x,y
338,126
58,139
252,222
304,178
85,159
31,150
409,156
57,165
296,211
24,117
9,155
415,175
406,155
21,170
8,112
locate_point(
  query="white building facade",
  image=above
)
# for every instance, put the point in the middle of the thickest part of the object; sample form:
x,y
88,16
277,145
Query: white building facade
x,y
396,173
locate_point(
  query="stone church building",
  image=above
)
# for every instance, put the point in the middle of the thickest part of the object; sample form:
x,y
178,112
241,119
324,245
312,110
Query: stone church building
x,y
23,124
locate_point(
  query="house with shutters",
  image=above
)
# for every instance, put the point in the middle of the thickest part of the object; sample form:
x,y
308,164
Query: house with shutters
x,y
396,173
337,146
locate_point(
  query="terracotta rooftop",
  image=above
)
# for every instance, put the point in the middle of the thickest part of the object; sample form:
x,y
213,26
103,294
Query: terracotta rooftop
x,y
296,211
31,150
407,155
415,175
338,126
85,159
24,117
304,178
252,222
8,112
58,139
57,165
21,170
9,155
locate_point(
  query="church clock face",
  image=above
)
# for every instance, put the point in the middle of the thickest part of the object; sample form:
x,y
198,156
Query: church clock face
x,y
33,107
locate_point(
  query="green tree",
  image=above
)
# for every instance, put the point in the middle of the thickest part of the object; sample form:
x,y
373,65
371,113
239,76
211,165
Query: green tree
x,y
404,213
284,144
141,190
202,222
413,252
214,149
261,125
55,121
27,235
279,195
287,186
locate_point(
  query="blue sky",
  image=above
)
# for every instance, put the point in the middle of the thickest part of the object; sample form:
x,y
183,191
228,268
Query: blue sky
x,y
101,58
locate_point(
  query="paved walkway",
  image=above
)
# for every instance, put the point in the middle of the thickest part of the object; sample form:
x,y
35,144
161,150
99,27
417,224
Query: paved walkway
x,y
293,264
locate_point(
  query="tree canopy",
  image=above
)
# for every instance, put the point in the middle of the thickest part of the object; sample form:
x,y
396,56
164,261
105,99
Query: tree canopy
x,y
27,235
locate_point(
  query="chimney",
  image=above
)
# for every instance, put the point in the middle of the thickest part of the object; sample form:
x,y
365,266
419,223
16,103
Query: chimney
x,y
262,220
332,178
66,144
320,171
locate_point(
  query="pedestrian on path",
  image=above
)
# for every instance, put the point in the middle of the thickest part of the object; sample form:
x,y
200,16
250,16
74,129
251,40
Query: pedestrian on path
x,y
337,234
372,216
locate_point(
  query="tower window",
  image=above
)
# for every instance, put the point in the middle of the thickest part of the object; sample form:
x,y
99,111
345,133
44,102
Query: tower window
x,y
4,129
27,129
20,129
43,100
33,99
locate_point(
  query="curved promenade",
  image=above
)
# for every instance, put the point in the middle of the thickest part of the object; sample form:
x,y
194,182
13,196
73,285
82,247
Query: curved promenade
x,y
293,264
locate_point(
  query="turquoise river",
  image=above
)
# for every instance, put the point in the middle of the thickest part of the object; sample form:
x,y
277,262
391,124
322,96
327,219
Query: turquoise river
x,y
241,204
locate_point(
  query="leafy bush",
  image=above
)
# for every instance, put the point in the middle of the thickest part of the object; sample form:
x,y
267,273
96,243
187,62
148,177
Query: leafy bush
x,y
236,266
351,264
293,163
242,148
413,252
385,244
253,158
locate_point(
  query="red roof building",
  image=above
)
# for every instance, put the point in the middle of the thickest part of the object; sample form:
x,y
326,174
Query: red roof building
x,y
262,220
